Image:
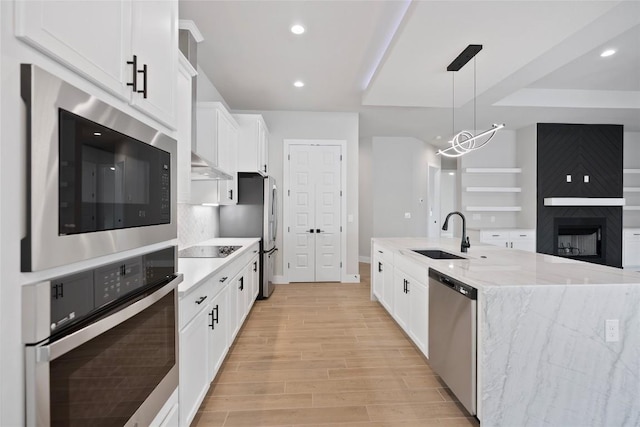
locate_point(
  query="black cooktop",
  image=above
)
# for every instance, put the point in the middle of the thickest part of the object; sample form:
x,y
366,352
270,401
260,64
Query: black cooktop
x,y
207,251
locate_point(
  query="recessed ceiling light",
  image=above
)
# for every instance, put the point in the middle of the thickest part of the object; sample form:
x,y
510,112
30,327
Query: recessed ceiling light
x,y
297,29
97,133
608,52
298,83
452,173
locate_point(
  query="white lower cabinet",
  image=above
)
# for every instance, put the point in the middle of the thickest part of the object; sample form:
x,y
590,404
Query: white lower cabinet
x,y
211,314
631,248
194,381
217,327
402,288
523,239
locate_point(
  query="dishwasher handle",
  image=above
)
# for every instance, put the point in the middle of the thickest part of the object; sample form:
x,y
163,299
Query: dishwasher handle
x,y
455,285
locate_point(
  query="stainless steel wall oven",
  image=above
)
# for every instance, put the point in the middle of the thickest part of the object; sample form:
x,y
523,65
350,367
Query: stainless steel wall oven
x,y
98,180
102,344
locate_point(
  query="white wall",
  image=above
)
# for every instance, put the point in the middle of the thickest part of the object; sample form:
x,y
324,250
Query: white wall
x,y
526,159
399,176
311,125
206,91
365,202
449,200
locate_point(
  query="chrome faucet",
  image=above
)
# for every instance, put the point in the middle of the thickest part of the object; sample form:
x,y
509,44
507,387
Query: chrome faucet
x,y
465,240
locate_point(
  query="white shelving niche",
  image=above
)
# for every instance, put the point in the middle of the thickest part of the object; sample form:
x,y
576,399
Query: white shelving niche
x,y
631,189
491,189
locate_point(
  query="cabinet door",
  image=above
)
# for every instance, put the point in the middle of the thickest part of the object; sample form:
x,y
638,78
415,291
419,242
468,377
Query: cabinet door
x,y
263,147
558,156
241,285
255,279
194,381
93,38
528,245
228,160
387,287
155,42
183,123
631,248
401,305
217,341
377,277
233,320
419,321
207,132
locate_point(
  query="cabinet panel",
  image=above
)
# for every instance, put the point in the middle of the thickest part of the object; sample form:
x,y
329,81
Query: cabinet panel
x,y
183,125
91,38
631,248
419,322
401,302
155,41
377,277
194,381
218,312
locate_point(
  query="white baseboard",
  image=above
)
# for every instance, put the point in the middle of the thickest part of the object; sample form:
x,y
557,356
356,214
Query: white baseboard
x,y
365,259
351,278
280,280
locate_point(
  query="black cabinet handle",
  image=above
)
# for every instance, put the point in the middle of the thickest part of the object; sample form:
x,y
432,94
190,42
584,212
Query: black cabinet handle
x,y
379,267
134,79
230,194
144,81
265,168
255,266
201,299
311,230
223,279
407,286
241,287
380,252
318,230
214,317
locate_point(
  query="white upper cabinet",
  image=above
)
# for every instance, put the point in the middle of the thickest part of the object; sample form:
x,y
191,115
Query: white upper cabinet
x,y
253,143
155,42
100,39
183,126
217,142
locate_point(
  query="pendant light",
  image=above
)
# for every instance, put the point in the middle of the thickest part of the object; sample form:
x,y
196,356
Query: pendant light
x,y
464,142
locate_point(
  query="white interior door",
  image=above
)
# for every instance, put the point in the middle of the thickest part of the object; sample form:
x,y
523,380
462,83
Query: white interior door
x,y
302,206
315,211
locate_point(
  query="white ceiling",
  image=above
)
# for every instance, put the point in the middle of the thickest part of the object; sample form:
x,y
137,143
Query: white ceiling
x,y
387,60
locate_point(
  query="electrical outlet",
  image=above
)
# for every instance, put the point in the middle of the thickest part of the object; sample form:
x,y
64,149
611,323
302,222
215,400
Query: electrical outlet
x,y
611,330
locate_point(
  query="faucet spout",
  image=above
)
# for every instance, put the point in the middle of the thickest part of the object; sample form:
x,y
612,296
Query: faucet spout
x,y
464,245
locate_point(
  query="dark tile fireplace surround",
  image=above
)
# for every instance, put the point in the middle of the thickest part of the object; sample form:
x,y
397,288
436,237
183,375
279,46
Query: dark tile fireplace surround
x,y
588,233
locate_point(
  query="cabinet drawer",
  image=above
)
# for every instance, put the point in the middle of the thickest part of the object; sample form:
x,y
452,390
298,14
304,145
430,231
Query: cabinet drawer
x,y
385,254
194,301
522,234
487,235
632,234
417,271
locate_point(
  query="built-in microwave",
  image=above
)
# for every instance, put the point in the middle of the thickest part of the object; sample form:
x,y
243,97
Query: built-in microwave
x,y
98,180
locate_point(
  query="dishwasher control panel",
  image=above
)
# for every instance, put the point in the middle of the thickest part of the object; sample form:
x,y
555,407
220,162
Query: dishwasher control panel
x,y
456,285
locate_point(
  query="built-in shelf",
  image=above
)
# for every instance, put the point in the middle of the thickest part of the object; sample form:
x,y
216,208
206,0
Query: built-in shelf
x,y
494,189
493,170
631,189
631,171
494,208
631,208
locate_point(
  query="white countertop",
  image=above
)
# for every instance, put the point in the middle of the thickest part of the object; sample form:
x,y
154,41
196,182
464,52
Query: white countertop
x,y
195,270
492,266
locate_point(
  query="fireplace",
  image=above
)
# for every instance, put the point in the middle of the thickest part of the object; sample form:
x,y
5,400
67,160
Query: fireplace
x,y
581,238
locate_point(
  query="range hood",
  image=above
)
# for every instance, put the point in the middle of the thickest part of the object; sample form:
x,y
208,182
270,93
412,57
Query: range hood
x,y
203,170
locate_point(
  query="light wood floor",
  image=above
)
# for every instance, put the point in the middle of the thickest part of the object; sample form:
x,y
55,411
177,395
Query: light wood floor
x,y
323,354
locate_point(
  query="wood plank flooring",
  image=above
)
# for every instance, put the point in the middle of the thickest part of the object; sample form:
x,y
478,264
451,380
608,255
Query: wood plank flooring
x,y
323,354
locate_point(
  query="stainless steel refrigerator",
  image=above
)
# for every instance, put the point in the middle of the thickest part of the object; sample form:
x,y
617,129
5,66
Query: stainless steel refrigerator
x,y
255,215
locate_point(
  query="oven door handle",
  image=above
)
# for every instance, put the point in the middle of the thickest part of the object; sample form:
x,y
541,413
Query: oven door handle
x,y
62,346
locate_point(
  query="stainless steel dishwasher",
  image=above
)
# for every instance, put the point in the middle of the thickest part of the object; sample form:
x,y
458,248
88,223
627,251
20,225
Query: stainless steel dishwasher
x,y
452,335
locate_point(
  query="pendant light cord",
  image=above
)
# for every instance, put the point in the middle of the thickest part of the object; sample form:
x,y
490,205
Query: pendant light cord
x,y
453,103
475,128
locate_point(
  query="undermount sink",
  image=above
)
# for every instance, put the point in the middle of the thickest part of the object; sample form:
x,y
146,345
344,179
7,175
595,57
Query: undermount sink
x,y
437,254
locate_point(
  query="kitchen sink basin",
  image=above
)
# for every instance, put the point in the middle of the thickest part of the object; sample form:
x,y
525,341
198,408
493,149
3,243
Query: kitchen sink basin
x,y
437,254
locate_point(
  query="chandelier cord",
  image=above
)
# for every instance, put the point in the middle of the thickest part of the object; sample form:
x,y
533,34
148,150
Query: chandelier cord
x,y
453,103
475,127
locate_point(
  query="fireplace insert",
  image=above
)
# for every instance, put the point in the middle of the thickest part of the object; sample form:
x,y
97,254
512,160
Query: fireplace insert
x,y
581,238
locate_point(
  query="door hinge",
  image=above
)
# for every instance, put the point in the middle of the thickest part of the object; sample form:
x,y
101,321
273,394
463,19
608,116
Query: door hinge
x,y
288,156
288,192
340,157
340,193
288,265
340,264
341,229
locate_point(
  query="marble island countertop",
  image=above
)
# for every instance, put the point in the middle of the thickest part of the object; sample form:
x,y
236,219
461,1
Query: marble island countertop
x,y
195,270
542,353
490,266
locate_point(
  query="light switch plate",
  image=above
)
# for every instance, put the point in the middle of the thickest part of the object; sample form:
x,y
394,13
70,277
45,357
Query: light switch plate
x,y
586,178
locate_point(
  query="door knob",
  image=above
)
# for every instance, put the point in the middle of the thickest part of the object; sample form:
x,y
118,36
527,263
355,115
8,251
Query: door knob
x,y
319,231
311,230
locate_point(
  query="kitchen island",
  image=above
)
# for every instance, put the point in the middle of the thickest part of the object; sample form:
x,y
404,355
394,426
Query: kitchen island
x,y
542,356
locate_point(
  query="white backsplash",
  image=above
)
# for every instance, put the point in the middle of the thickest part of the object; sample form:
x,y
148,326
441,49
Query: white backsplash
x,y
197,223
